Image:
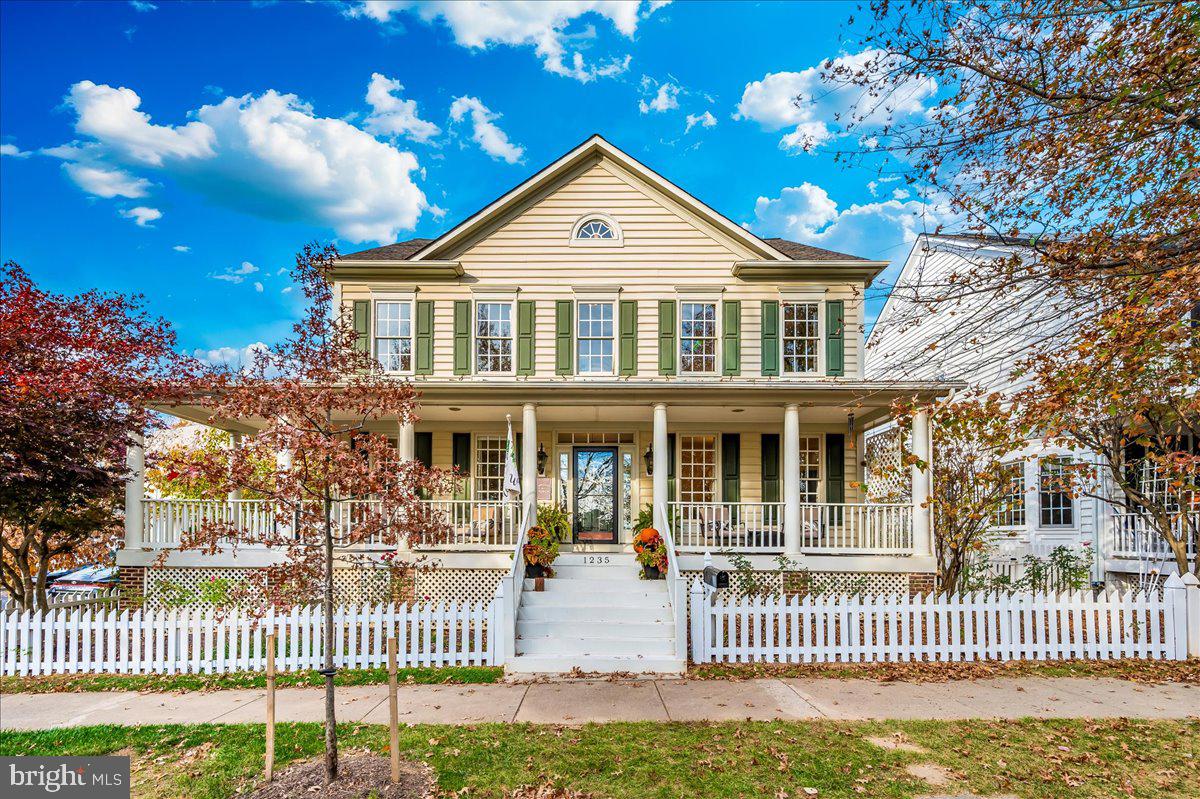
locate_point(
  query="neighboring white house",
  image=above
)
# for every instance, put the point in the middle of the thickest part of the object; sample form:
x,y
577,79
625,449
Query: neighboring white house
x,y
999,331
651,353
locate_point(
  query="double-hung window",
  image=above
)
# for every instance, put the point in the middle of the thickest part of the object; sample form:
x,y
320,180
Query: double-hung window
x,y
1057,507
801,337
810,468
490,455
393,335
697,468
698,337
493,337
1011,509
595,337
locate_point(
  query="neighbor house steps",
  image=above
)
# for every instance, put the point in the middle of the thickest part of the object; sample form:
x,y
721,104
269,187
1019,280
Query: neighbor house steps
x,y
595,617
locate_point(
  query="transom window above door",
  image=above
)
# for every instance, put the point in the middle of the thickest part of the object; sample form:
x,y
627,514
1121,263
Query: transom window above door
x,y
493,337
801,337
595,337
393,335
698,337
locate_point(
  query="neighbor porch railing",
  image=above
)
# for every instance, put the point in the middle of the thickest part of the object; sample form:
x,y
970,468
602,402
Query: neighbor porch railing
x,y
825,528
1135,538
471,524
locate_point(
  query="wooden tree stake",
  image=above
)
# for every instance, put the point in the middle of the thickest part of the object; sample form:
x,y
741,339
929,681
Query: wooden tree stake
x,y
270,707
393,711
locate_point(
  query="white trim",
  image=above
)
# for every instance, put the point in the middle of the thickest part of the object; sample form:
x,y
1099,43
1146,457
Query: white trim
x,y
512,326
614,338
399,298
693,299
821,344
575,241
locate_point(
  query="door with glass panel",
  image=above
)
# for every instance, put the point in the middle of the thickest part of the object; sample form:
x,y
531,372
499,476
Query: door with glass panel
x,y
594,473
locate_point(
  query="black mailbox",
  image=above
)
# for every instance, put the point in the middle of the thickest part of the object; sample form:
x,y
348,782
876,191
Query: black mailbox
x,y
715,578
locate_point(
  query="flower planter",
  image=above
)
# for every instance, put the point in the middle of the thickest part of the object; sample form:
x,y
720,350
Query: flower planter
x,y
535,570
652,573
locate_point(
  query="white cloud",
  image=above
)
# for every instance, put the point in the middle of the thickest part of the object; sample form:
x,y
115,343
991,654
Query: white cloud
x,y
143,5
480,24
141,215
234,357
269,155
490,138
705,120
181,248
235,274
666,97
818,110
392,116
286,290
258,287
14,151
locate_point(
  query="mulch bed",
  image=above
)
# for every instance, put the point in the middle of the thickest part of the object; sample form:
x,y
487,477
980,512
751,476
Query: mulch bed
x,y
359,776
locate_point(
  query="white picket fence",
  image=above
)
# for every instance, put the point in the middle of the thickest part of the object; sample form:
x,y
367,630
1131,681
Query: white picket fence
x,y
108,641
996,627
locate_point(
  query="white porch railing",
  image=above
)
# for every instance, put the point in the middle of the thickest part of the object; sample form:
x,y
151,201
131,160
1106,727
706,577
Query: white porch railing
x,y
825,528
473,524
676,589
1135,538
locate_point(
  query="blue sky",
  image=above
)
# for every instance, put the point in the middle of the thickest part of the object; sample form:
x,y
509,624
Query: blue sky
x,y
185,150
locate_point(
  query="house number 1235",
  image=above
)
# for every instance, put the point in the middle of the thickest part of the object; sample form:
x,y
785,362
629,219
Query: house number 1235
x,y
592,559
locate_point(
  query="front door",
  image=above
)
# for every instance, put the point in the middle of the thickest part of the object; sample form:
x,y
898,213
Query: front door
x,y
594,472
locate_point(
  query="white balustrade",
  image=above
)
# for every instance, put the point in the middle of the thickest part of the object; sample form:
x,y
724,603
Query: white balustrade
x,y
476,524
165,521
827,528
1135,537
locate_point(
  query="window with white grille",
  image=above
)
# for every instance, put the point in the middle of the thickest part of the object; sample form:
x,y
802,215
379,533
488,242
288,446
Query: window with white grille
x,y
595,229
1011,512
1057,507
801,337
810,468
595,337
493,337
393,336
489,467
698,337
697,468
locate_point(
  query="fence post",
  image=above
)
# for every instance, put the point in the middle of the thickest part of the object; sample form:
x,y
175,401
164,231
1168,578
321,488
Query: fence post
x,y
393,712
1192,594
270,765
696,602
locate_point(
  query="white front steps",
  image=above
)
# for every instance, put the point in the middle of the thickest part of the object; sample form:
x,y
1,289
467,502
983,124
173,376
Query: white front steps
x,y
595,615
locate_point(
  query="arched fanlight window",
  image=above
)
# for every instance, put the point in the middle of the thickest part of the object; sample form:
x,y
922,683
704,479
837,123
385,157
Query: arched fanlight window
x,y
596,229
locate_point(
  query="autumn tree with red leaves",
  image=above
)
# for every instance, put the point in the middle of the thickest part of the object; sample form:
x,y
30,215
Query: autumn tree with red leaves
x,y
75,375
323,405
1070,130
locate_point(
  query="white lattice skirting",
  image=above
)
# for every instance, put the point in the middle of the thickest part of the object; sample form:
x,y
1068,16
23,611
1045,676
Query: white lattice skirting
x,y
457,585
771,583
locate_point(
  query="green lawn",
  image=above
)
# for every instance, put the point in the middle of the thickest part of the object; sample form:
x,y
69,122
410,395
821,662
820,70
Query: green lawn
x,y
1075,759
70,683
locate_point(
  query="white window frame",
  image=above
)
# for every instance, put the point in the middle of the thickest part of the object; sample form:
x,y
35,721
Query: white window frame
x,y
820,479
612,304
476,462
819,369
512,326
717,455
715,302
1006,510
398,299
1074,506
575,241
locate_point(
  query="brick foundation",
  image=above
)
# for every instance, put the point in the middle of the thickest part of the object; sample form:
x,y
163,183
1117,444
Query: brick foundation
x,y
796,583
403,585
920,584
132,581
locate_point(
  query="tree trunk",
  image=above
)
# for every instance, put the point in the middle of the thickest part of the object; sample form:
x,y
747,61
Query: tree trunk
x,y
331,752
39,586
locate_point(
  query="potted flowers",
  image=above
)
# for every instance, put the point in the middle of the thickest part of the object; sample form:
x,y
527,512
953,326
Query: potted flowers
x,y
541,548
651,553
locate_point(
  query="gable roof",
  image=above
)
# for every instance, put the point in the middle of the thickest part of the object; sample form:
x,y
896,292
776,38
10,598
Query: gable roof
x,y
596,146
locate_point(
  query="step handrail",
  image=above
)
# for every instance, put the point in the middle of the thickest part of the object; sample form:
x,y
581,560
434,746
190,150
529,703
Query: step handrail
x,y
515,580
675,593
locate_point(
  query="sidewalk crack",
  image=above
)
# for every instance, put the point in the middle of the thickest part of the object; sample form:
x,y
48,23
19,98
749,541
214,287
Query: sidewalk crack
x,y
806,699
666,709
524,694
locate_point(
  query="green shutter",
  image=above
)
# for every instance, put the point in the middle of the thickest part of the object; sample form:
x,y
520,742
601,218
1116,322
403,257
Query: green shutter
x,y
835,467
462,337
525,316
770,467
666,337
423,448
362,326
564,338
731,467
424,356
461,453
731,324
628,328
671,495
770,338
835,338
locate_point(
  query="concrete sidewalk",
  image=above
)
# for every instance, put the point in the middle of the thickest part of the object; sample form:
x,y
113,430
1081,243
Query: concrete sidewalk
x,y
578,702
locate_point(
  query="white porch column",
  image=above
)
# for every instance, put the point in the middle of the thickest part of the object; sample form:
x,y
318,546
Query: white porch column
x,y
659,460
791,480
235,443
135,490
404,441
921,485
529,456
